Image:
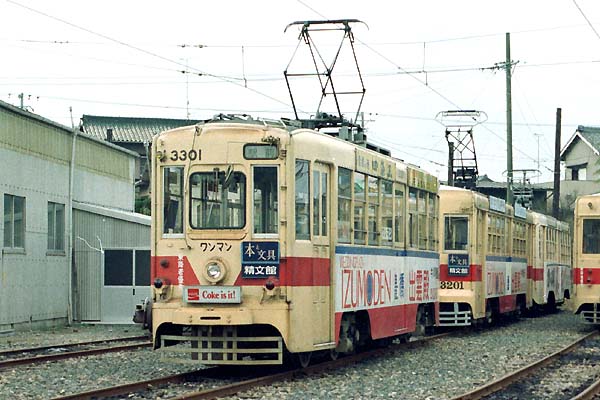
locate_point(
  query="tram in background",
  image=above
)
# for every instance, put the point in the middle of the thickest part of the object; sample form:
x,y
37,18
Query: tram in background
x,y
586,258
551,269
498,260
270,239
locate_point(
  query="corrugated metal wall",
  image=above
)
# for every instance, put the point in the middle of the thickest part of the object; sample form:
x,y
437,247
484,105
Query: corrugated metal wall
x,y
35,159
25,135
33,283
112,233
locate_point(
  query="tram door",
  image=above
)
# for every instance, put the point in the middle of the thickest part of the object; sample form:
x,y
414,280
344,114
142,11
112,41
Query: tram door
x,y
321,227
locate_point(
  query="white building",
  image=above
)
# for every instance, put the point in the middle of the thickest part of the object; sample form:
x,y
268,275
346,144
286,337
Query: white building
x,y
51,273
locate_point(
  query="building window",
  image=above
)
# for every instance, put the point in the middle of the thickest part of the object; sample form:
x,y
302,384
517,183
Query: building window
x,y
14,221
578,173
56,226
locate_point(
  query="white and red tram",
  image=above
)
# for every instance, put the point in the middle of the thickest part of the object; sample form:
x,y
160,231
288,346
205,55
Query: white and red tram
x,y
271,239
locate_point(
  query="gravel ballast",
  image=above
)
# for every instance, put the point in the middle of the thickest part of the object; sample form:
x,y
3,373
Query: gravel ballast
x,y
442,369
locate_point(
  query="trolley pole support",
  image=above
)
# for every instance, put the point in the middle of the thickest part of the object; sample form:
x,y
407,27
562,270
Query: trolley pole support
x,y
450,164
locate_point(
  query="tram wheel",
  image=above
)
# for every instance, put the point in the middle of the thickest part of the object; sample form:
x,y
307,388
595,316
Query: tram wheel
x,y
333,354
489,316
304,358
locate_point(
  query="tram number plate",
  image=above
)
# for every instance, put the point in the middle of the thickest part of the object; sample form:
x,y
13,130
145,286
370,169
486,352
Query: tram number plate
x,y
213,294
451,285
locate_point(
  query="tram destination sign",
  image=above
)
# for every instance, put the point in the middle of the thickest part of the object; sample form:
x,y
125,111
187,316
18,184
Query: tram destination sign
x,y
260,260
458,265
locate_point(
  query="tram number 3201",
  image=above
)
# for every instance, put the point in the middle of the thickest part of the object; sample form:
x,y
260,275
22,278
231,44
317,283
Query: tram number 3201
x,y
451,285
184,155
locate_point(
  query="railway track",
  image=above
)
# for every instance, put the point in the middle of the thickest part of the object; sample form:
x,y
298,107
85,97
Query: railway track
x,y
530,381
24,356
240,383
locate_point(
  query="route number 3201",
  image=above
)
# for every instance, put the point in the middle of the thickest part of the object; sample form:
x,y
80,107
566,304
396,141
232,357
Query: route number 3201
x,y
184,155
451,285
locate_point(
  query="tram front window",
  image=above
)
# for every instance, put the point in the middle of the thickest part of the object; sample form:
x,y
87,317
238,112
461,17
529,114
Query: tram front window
x,y
456,233
591,236
218,200
172,200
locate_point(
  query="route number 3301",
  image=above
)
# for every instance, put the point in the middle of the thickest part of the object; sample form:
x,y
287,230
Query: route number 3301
x,y
184,155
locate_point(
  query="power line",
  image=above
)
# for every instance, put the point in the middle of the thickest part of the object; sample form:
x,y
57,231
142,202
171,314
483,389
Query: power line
x,y
143,50
114,103
586,19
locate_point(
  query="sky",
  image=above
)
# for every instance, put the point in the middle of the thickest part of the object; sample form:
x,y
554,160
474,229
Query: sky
x,y
195,59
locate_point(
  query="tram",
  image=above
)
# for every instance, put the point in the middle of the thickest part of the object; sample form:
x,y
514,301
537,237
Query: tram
x,y
586,258
271,240
550,272
496,259
483,271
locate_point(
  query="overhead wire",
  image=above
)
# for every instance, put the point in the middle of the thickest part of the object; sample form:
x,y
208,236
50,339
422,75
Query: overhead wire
x,y
150,53
586,19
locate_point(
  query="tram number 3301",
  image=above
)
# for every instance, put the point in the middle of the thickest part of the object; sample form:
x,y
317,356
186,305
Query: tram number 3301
x,y
183,155
451,285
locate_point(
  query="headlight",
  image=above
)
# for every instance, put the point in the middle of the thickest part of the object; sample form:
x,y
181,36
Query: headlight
x,y
214,271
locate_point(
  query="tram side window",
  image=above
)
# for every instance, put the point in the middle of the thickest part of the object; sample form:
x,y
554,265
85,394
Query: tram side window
x,y
456,233
497,235
591,236
373,196
551,244
319,203
422,209
359,208
565,248
432,215
344,204
412,218
387,213
265,199
173,200
519,239
399,216
540,240
302,200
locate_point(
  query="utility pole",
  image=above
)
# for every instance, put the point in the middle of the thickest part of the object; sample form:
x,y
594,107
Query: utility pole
x,y
537,136
509,159
556,196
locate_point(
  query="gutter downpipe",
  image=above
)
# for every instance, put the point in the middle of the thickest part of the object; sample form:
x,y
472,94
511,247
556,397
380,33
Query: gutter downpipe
x,y
70,257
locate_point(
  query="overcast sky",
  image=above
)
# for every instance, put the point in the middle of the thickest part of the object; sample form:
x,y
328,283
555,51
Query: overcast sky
x,y
418,58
